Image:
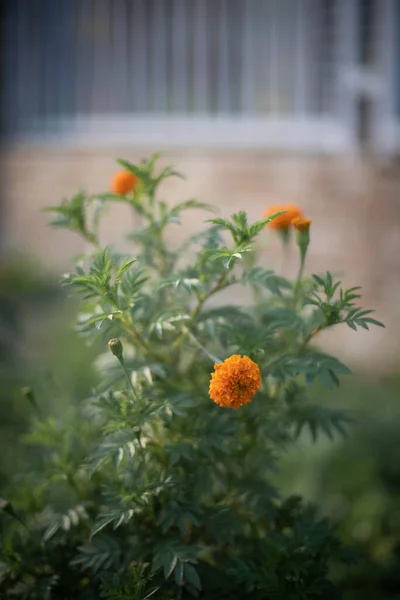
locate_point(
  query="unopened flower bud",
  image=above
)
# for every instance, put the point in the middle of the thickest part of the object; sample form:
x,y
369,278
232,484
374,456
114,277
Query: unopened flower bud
x,y
302,227
116,348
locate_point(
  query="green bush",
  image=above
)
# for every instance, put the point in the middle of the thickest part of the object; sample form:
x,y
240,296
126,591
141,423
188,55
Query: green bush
x,y
148,488
357,484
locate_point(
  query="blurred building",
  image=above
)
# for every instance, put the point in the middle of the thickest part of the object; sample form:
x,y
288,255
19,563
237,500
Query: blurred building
x,y
256,101
304,75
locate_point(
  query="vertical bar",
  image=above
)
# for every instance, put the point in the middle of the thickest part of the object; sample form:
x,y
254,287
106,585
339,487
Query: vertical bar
x,y
159,58
302,66
201,85
33,77
20,49
179,56
247,81
263,60
70,59
287,54
259,37
345,62
396,62
102,75
54,26
314,57
46,58
235,54
389,17
119,57
385,117
329,42
63,59
273,53
139,57
10,58
223,77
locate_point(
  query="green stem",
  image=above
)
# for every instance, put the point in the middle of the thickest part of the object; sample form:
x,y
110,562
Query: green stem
x,y
303,254
201,301
285,259
263,380
122,363
214,359
300,274
135,334
309,337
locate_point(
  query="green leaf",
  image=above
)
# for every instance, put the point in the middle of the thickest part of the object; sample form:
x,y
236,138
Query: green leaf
x,y
100,555
191,576
126,265
259,225
259,277
373,322
109,197
178,573
317,418
318,280
139,172
170,564
116,516
219,221
192,203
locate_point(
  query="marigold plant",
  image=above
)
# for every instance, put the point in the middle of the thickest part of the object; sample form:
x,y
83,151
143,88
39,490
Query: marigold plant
x,y
153,486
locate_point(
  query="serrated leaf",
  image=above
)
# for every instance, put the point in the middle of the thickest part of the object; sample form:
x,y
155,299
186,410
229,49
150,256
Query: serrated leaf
x,y
318,280
191,576
178,574
192,203
134,169
170,564
374,322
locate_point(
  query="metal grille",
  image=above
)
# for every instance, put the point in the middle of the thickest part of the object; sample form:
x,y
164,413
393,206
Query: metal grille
x,y
213,57
287,73
397,64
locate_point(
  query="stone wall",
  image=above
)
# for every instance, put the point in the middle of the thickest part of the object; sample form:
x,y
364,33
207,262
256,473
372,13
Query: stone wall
x,y
354,205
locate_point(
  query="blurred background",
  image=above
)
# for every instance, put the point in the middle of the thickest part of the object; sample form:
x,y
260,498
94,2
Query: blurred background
x,y
257,102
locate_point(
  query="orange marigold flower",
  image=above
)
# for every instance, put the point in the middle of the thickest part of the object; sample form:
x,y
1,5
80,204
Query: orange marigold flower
x,y
283,221
235,381
123,182
301,224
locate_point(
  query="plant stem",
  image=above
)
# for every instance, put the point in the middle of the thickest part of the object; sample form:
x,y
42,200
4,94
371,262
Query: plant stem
x,y
285,259
201,301
122,363
135,334
297,287
300,275
309,337
215,359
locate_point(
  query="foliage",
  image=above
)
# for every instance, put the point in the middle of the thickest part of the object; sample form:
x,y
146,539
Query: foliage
x,y
37,348
357,483
147,488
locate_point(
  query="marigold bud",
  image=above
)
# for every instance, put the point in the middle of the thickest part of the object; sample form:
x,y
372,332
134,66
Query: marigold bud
x,y
123,182
301,224
302,227
116,348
